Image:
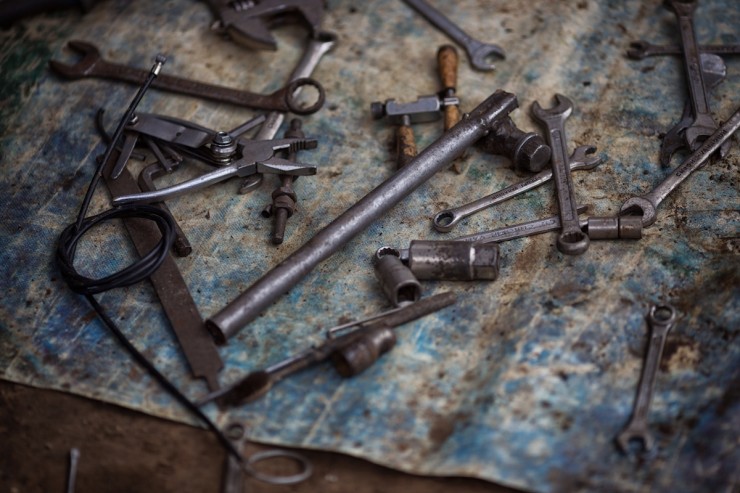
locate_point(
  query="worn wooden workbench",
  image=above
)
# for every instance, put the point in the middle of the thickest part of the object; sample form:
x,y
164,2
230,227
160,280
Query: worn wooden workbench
x,y
528,379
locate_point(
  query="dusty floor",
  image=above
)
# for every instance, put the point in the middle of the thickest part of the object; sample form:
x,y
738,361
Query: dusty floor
x,y
126,451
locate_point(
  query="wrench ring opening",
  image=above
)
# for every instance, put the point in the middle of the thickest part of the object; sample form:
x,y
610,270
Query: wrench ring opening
x,y
292,93
302,461
662,314
443,221
573,242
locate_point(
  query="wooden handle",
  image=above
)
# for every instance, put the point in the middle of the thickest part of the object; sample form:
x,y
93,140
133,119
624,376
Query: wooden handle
x,y
447,61
452,116
405,145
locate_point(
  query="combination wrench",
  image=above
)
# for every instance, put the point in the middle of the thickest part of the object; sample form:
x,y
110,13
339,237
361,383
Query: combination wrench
x,y
92,64
703,124
647,205
478,53
661,319
445,220
572,240
642,49
715,70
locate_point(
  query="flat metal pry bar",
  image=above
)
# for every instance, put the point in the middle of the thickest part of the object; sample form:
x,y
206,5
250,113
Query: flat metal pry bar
x,y
179,306
438,156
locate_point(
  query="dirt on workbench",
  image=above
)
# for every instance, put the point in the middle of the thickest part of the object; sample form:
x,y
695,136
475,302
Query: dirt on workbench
x,y
127,451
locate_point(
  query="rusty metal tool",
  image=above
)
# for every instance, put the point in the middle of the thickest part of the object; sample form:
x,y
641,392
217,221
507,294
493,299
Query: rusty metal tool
x,y
173,293
424,109
92,64
661,319
444,221
248,22
351,352
247,306
239,158
284,197
715,70
318,46
647,205
642,49
572,240
74,460
527,150
478,53
703,124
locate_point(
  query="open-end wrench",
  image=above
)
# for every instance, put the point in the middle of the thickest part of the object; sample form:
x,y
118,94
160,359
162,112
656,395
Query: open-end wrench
x,y
445,220
642,49
92,64
479,53
661,319
318,46
703,125
715,70
572,240
648,204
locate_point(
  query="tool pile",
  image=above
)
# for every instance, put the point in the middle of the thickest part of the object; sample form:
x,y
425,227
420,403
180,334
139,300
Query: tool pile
x,y
174,142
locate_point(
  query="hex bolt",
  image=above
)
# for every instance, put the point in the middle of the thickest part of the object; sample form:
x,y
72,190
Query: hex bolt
x,y
223,147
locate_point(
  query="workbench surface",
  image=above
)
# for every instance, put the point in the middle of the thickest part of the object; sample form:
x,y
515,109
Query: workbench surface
x,y
526,380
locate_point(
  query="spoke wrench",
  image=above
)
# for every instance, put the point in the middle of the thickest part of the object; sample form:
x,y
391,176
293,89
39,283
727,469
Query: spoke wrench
x,y
572,240
661,319
478,52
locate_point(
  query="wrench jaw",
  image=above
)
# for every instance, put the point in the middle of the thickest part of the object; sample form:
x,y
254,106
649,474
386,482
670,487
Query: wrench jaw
x,y
90,56
584,158
638,50
480,57
561,111
444,221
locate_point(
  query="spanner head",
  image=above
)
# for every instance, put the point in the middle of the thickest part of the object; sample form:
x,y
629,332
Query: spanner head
x,y
639,206
90,56
561,111
584,157
480,56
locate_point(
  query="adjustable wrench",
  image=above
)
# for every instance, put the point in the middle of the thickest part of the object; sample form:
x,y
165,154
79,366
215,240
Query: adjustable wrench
x,y
661,319
572,240
93,65
648,204
445,220
703,124
641,49
478,52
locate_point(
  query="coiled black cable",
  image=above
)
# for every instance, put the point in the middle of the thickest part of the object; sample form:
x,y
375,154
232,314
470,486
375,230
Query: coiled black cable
x,y
138,271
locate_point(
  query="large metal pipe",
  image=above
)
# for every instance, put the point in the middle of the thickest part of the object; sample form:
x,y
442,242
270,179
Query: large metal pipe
x,y
247,306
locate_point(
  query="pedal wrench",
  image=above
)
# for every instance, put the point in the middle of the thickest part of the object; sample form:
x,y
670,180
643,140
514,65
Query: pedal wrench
x,y
661,319
572,240
641,49
444,221
715,70
477,51
93,65
318,46
647,205
703,124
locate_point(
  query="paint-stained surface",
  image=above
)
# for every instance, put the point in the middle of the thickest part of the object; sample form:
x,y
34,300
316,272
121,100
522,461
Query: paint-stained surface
x,y
528,379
